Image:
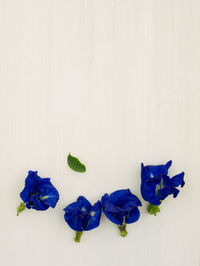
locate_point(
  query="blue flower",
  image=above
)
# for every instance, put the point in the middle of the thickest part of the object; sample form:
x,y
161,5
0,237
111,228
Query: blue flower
x,y
38,193
121,208
82,216
157,185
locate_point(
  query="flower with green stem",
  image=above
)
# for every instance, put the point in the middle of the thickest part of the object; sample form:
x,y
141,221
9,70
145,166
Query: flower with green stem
x,y
38,193
121,208
156,185
82,216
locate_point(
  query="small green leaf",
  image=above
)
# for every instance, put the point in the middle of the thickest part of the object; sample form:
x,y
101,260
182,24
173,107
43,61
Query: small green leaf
x,y
75,164
152,209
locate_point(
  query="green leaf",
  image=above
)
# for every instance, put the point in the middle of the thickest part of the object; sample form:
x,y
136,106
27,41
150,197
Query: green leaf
x,y
75,164
152,209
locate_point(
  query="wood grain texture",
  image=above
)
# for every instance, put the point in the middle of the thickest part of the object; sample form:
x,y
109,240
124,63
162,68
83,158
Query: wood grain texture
x,y
116,83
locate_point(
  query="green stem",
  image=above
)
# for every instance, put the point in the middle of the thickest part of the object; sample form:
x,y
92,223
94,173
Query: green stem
x,y
152,209
122,229
78,236
21,207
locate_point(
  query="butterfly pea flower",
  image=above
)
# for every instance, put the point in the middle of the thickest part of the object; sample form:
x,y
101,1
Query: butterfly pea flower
x,y
38,193
82,216
121,208
156,185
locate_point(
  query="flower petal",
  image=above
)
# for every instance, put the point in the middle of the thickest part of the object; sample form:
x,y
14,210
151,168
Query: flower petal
x,y
30,182
95,214
84,203
116,218
168,164
108,206
177,180
119,193
35,203
49,195
175,192
134,215
72,216
148,191
135,200
154,171
164,192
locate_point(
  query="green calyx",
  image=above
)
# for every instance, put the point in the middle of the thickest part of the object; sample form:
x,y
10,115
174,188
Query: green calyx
x,y
21,207
77,238
122,229
152,209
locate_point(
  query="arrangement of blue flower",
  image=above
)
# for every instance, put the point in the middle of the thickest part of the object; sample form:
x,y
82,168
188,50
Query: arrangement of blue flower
x,y
82,216
156,185
121,208
38,193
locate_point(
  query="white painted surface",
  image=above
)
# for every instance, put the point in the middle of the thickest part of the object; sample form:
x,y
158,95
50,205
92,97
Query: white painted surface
x,y
115,83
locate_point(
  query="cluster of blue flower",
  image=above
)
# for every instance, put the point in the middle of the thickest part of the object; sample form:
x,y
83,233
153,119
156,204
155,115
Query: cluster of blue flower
x,y
120,207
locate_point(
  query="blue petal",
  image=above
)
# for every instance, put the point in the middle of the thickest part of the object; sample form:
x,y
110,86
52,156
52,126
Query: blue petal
x,y
168,164
118,194
31,181
124,198
135,200
175,192
148,191
73,207
95,214
40,183
84,203
49,195
107,205
118,204
170,186
164,192
177,180
72,216
85,218
116,218
134,215
154,171
35,203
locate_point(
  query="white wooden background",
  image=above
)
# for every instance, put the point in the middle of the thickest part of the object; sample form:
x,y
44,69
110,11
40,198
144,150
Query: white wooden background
x,y
115,82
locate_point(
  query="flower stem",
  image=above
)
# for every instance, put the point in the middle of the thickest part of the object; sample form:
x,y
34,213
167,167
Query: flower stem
x,y
21,207
78,236
152,209
122,229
